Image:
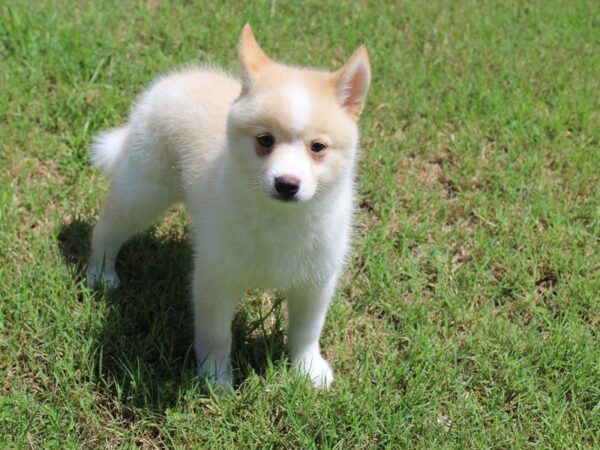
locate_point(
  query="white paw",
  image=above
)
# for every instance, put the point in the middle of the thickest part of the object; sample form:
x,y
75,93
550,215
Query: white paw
x,y
218,376
317,368
97,278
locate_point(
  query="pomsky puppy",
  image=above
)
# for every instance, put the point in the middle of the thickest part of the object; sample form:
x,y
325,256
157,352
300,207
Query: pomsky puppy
x,y
265,166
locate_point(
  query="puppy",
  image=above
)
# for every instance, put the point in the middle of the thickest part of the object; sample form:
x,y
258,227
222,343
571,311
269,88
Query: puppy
x,y
265,165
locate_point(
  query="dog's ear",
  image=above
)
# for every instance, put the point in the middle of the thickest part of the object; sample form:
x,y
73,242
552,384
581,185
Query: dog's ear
x,y
352,82
252,58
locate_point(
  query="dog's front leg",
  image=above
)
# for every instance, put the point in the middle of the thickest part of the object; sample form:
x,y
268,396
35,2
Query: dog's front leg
x,y
213,313
307,307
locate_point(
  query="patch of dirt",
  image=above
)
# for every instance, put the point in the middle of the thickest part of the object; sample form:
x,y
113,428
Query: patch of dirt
x,y
460,256
547,283
432,173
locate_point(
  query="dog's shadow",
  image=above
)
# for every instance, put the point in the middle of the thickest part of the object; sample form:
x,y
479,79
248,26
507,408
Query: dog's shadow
x,y
144,348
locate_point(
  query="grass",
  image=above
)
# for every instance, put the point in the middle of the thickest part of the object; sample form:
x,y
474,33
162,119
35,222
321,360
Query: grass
x,y
470,311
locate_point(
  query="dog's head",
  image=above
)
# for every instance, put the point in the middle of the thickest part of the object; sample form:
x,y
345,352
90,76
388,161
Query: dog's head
x,y
293,131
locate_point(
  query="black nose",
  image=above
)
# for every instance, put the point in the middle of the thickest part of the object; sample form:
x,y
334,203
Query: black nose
x,y
287,186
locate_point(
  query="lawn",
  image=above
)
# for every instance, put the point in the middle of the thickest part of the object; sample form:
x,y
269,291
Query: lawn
x,y
470,310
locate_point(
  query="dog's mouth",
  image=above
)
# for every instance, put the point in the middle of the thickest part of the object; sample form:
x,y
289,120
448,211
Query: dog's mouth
x,y
285,198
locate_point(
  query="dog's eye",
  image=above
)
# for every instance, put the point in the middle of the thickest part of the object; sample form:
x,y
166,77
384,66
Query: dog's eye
x,y
317,147
265,140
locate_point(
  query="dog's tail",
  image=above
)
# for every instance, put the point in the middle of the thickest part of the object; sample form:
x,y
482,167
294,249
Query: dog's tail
x,y
108,149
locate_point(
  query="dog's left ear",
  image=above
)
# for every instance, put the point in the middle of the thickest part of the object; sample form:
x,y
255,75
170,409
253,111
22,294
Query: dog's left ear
x,y
352,82
252,58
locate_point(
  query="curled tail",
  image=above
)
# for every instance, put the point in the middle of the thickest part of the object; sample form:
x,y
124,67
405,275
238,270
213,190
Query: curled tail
x,y
108,149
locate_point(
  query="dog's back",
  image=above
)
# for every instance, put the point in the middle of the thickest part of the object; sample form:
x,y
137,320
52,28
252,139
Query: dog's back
x,y
178,122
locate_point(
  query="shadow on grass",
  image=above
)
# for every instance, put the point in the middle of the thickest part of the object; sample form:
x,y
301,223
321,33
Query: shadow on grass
x,y
145,346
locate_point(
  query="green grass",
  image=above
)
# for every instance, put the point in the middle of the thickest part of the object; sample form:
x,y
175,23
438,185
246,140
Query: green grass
x,y
469,314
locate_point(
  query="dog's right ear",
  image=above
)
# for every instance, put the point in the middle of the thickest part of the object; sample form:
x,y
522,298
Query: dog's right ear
x,y
252,58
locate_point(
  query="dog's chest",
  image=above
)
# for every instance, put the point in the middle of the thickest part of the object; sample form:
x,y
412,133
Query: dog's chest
x,y
258,252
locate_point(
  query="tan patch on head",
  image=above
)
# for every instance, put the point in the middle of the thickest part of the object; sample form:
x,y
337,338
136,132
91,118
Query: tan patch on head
x,y
348,86
297,105
284,86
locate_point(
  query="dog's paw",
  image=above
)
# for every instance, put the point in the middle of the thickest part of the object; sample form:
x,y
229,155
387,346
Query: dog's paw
x,y
218,378
317,368
97,279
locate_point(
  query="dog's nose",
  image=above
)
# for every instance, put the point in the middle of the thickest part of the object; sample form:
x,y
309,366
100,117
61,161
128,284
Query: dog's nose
x,y
287,186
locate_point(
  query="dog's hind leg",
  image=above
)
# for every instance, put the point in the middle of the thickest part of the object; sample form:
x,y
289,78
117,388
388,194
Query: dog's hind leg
x,y
136,199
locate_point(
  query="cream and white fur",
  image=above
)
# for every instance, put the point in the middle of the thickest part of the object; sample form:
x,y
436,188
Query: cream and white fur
x,y
192,137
